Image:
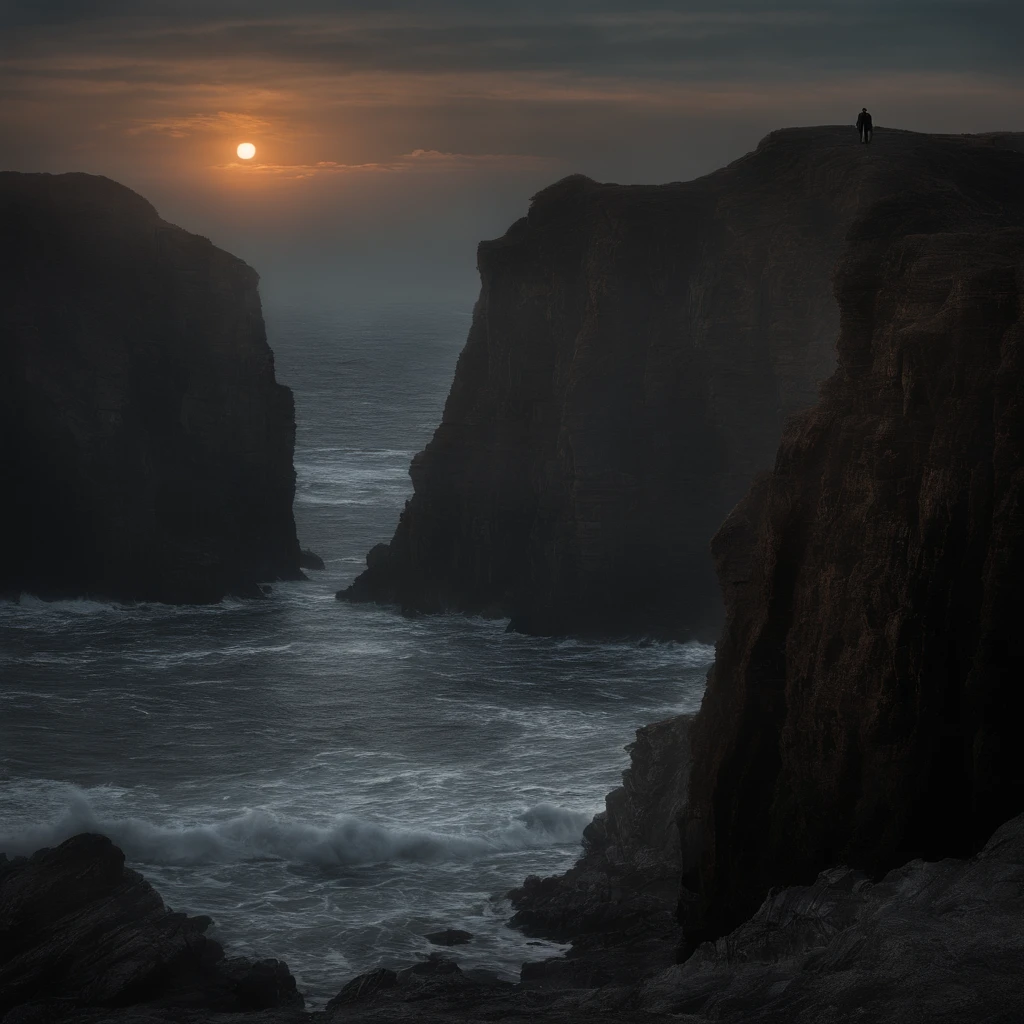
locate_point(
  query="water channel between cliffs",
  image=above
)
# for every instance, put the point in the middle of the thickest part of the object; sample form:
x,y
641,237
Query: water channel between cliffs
x,y
330,782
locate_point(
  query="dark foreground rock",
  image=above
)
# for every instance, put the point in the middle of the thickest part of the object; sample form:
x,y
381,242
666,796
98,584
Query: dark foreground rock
x,y
633,356
79,929
864,703
438,985
145,445
938,942
930,943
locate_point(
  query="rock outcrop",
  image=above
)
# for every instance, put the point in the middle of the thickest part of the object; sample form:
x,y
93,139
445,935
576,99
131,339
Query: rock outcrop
x,y
865,701
80,930
617,903
145,446
437,984
634,353
930,943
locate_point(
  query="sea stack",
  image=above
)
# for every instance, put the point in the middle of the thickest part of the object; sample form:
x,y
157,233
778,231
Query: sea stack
x,y
146,445
634,355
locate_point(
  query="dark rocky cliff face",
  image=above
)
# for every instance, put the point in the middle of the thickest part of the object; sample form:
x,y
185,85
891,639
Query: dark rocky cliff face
x,y
145,446
866,699
634,353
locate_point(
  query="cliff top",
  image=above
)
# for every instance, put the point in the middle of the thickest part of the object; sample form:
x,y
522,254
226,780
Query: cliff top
x,y
74,188
785,162
75,203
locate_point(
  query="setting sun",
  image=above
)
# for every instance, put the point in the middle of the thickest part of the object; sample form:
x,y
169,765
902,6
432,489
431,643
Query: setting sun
x,y
246,150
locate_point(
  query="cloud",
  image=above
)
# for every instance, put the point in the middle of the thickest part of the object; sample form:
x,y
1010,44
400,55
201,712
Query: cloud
x,y
446,114
675,41
181,127
650,89
419,160
434,159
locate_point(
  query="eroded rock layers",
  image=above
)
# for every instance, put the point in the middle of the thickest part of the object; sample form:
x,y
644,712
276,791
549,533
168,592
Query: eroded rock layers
x,y
145,445
865,701
633,355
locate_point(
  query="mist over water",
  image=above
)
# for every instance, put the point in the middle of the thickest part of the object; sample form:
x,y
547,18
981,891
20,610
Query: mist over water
x,y
329,782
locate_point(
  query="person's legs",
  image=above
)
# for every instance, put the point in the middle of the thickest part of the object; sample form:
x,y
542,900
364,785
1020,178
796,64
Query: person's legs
x,y
868,132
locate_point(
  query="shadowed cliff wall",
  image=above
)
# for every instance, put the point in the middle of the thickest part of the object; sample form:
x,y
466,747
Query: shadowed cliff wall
x,y
145,445
865,703
634,353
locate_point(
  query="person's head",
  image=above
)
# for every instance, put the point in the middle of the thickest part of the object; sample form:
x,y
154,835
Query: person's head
x,y
863,110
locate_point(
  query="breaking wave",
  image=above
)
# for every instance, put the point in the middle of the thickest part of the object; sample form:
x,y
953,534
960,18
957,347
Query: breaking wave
x,y
258,834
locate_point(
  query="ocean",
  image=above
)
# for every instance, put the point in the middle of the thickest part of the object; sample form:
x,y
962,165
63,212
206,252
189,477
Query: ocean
x,y
329,782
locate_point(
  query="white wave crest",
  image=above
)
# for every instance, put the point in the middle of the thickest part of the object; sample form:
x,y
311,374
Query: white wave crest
x,y
258,834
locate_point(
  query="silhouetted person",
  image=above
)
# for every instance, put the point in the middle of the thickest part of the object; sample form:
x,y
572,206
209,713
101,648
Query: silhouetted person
x,y
864,125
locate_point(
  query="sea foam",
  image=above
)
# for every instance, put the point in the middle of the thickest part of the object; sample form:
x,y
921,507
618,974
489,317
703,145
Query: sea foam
x,y
260,834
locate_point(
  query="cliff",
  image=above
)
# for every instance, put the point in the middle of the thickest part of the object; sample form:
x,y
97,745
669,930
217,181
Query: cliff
x,y
145,445
865,700
633,356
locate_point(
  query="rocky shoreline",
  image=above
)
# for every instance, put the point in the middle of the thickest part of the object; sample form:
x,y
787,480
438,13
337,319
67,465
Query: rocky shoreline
x,y
84,939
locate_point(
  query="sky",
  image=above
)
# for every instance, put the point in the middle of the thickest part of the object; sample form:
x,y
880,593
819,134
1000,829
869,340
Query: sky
x,y
391,136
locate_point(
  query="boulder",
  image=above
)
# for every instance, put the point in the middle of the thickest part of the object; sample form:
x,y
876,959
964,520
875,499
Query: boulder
x,y
78,926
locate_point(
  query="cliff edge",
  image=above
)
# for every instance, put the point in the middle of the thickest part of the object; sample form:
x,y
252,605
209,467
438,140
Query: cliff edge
x,y
145,444
864,703
634,354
